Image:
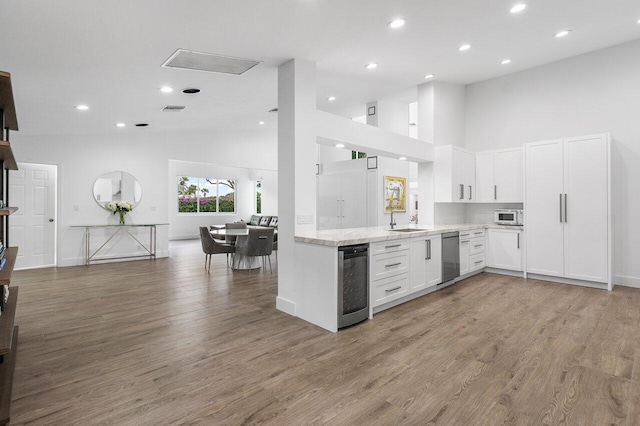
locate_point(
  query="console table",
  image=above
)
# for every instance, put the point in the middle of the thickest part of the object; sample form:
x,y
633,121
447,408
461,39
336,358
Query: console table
x,y
150,248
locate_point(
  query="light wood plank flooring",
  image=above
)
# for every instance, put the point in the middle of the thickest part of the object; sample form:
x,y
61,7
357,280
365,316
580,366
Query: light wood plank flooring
x,y
150,343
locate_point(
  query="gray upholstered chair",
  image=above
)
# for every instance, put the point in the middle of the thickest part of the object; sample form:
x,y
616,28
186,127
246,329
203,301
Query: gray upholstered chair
x,y
231,239
259,242
211,246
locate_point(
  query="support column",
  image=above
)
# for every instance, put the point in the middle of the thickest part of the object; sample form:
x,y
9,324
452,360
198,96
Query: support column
x,y
426,188
296,169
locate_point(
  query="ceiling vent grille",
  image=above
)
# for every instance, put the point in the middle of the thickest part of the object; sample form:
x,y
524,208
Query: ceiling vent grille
x,y
200,61
173,108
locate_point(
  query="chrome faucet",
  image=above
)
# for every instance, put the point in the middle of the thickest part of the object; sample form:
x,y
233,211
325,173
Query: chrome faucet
x,y
393,222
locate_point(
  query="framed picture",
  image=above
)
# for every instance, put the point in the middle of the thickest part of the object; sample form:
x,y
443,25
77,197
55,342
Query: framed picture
x,y
372,162
395,194
371,110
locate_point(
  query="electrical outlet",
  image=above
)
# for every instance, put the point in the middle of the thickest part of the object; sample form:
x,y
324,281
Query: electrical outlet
x,y
76,208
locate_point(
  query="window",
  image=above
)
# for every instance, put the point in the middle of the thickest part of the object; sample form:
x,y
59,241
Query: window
x,y
206,195
356,154
258,196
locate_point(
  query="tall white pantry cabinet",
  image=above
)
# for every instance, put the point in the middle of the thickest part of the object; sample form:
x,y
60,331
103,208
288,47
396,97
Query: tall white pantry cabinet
x,y
567,204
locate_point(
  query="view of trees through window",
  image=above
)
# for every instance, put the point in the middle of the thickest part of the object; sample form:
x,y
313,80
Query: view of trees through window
x,y
258,196
356,154
206,195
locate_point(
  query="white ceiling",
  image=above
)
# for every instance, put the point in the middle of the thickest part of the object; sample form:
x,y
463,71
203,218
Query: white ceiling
x,y
107,54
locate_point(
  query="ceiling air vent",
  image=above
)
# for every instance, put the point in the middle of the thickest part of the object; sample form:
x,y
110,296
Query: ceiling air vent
x,y
173,108
200,61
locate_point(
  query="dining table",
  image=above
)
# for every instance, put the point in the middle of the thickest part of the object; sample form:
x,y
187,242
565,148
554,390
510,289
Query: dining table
x,y
239,261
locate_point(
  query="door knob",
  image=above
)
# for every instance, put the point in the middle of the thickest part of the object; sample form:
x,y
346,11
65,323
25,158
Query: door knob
x,y
50,220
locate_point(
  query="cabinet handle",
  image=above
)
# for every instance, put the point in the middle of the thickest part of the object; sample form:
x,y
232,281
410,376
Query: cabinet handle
x,y
463,242
477,262
395,245
565,208
464,235
560,208
518,234
470,192
495,192
428,250
477,245
461,191
477,233
393,264
393,289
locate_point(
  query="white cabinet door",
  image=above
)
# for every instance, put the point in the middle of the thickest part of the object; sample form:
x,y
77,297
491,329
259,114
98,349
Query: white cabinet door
x,y
586,207
504,249
434,261
509,176
460,179
465,251
467,166
329,202
353,202
417,264
485,183
543,221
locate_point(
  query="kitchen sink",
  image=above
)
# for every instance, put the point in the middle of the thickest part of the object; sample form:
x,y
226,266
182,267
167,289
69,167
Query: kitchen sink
x,y
409,230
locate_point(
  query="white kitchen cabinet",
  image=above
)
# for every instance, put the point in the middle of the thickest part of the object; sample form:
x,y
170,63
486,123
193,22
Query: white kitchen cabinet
x,y
426,262
454,175
567,208
465,252
500,176
505,248
472,251
342,200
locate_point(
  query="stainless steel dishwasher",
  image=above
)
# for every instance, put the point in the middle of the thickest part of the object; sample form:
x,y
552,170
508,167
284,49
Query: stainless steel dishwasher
x,y
450,256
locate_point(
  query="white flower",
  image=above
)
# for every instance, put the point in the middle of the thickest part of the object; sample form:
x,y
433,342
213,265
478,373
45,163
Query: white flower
x,y
119,206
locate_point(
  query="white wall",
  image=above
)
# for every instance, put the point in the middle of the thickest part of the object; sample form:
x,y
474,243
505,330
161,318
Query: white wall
x,y
331,154
390,115
593,93
185,225
144,154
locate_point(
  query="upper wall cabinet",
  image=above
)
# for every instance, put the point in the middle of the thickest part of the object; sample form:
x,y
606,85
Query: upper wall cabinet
x,y
454,175
500,176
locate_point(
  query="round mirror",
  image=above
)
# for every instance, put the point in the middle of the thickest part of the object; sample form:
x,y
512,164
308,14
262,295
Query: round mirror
x,y
117,186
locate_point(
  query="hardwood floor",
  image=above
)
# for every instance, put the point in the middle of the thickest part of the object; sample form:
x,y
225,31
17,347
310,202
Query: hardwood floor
x,y
149,343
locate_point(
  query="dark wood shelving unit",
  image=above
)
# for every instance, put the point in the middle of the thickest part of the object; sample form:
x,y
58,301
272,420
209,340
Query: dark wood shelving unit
x,y
8,331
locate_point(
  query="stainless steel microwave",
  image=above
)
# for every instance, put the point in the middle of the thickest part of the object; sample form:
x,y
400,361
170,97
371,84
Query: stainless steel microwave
x,y
509,217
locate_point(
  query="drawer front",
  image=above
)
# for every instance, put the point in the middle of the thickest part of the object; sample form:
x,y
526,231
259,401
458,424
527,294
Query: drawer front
x,y
476,262
390,246
390,289
477,233
388,265
478,246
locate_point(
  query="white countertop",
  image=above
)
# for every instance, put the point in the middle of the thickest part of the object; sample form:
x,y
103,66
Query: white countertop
x,y
345,237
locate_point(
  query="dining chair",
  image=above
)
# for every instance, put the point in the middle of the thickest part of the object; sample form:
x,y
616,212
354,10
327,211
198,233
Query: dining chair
x,y
211,246
231,239
259,242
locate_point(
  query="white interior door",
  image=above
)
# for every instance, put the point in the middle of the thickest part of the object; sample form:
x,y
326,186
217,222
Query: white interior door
x,y
329,202
586,222
543,220
353,205
32,188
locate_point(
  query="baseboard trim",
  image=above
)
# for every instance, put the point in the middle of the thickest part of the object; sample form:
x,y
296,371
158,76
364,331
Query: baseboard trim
x,y
591,284
183,237
286,306
518,274
626,281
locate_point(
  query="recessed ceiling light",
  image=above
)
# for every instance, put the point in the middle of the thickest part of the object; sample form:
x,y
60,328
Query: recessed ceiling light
x,y
563,33
339,145
191,91
518,8
397,23
142,124
464,47
371,66
429,76
261,123
402,158
331,98
506,61
166,89
638,21
120,125
82,107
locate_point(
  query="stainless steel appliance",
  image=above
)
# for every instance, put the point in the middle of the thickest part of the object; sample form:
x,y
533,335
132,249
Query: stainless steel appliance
x,y
450,256
353,284
509,217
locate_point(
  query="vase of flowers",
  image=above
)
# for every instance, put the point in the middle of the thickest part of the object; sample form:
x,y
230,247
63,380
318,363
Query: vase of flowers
x,y
120,207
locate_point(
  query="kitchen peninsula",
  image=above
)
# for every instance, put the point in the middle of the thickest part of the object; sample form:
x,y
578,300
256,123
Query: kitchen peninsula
x,y
404,263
